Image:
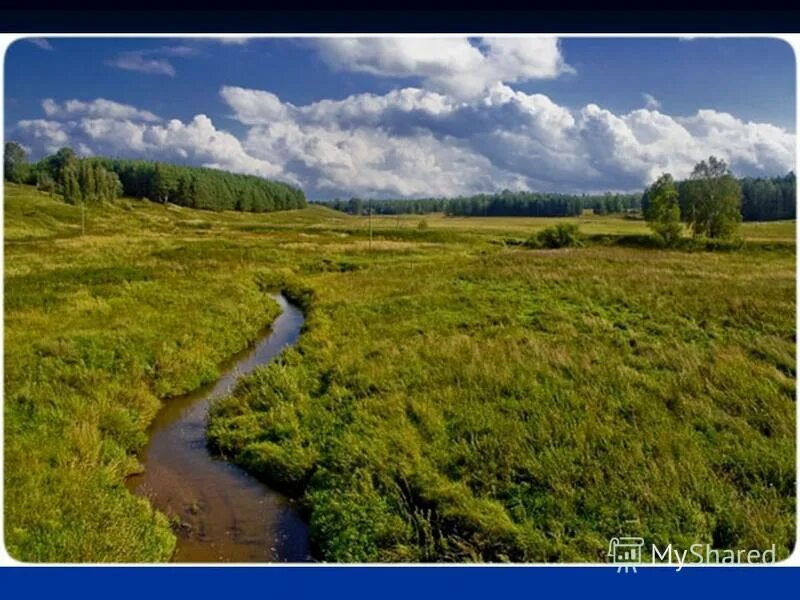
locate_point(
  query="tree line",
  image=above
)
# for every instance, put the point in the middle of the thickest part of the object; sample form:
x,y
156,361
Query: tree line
x,y
360,206
769,198
502,204
99,178
762,199
90,179
77,180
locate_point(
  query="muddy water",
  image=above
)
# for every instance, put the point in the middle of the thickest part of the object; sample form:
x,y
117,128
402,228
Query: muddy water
x,y
226,515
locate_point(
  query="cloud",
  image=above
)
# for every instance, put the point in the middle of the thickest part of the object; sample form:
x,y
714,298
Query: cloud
x,y
502,138
99,108
153,61
254,107
650,101
227,40
457,66
196,142
137,61
233,40
40,42
758,148
182,51
416,142
42,136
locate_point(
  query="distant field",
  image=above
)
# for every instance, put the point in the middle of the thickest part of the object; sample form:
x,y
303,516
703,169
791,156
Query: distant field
x,y
451,399
783,231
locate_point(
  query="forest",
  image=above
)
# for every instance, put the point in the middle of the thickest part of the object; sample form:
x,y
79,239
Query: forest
x,y
87,179
769,198
762,199
502,204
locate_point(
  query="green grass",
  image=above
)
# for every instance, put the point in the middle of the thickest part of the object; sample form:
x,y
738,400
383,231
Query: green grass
x,y
97,330
453,396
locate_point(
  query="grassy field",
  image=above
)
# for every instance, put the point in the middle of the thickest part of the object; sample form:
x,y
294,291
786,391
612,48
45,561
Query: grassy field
x,y
589,223
453,397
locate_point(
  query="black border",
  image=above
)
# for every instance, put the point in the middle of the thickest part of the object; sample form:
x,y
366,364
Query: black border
x,y
278,19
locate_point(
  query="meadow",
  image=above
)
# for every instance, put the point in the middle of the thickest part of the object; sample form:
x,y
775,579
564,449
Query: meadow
x,y
455,395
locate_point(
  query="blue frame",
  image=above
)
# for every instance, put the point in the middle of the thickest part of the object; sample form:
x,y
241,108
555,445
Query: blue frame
x,y
391,582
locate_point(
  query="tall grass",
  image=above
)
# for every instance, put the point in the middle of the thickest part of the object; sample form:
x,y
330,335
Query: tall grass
x,y
451,398
98,330
529,406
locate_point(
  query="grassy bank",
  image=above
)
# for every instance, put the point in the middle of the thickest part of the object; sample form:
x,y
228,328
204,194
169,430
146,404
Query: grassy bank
x,y
528,405
98,330
454,397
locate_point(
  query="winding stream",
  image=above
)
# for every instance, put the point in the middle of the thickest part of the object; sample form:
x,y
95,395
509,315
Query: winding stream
x,y
226,515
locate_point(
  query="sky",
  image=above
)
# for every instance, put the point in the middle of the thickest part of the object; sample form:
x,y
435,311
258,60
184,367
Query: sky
x,y
395,117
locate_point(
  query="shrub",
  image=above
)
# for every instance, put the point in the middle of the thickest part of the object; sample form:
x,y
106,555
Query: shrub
x,y
563,235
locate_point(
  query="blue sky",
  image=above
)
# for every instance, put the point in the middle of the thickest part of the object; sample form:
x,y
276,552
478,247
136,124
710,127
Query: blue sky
x,y
410,117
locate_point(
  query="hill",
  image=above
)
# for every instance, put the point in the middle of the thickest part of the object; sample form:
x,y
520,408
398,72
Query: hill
x,y
82,180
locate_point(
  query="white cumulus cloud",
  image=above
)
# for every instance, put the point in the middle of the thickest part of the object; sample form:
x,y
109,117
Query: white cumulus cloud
x,y
415,142
508,138
197,142
449,64
461,128
99,108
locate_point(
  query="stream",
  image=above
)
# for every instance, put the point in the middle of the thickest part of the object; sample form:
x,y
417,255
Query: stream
x,y
226,515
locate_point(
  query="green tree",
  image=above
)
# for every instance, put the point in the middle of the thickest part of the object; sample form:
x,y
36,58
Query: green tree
x,y
70,186
87,181
61,161
197,187
182,190
355,206
192,192
713,200
45,182
15,163
663,212
102,181
160,185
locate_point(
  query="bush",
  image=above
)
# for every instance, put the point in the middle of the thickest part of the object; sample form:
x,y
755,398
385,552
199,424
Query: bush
x,y
734,242
563,235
